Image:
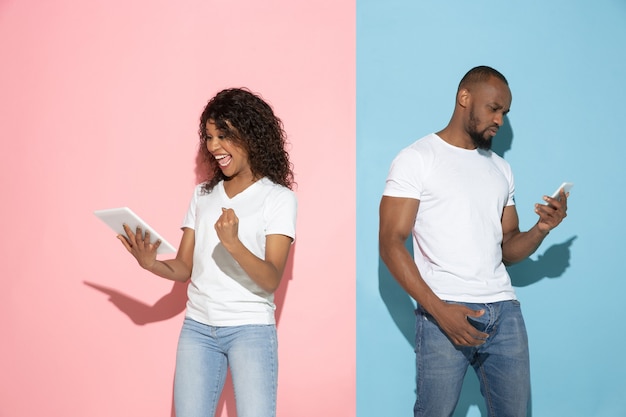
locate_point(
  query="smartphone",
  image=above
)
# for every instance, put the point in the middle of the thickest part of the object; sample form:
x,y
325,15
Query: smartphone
x,y
566,186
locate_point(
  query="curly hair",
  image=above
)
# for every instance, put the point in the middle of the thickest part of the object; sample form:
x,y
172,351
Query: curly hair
x,y
247,121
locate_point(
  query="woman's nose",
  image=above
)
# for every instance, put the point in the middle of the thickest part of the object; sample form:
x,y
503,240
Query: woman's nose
x,y
212,144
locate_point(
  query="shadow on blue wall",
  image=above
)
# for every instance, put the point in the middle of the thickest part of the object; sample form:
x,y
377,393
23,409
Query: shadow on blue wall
x,y
551,264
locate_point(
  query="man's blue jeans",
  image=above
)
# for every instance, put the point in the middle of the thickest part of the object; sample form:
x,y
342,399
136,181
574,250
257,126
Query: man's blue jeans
x,y
205,352
501,363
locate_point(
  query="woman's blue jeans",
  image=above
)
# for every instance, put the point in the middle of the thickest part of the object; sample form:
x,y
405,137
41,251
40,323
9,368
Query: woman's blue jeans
x,y
203,356
501,363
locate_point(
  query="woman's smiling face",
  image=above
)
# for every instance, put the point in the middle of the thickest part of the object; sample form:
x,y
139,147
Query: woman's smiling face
x,y
231,158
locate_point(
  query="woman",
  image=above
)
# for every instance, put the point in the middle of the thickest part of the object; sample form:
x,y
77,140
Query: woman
x,y
236,239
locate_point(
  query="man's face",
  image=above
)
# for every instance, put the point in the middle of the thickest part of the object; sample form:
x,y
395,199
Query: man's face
x,y
490,102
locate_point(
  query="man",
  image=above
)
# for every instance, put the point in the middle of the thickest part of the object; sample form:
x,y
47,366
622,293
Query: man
x,y
456,197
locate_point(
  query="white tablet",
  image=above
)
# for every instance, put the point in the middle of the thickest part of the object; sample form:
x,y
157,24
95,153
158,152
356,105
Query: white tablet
x,y
117,217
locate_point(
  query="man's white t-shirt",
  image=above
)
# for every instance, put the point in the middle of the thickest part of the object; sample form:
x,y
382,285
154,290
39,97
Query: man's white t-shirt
x,y
457,235
220,292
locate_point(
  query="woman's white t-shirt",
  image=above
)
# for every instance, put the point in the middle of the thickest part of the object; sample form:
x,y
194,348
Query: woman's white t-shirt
x,y
220,292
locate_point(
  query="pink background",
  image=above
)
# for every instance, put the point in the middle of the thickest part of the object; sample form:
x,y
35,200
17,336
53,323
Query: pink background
x,y
99,108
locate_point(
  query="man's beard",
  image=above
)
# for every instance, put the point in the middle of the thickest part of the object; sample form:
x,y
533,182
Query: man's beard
x,y
478,138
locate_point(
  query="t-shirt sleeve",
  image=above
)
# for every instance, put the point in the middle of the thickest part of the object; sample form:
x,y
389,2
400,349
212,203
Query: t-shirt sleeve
x,y
511,199
404,178
190,218
507,171
281,213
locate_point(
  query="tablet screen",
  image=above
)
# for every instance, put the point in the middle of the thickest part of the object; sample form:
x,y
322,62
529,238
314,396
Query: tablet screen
x,y
115,218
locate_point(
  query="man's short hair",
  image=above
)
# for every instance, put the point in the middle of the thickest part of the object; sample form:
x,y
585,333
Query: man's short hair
x,y
480,74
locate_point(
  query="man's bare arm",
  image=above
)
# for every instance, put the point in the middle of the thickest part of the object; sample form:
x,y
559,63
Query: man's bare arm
x,y
397,217
516,245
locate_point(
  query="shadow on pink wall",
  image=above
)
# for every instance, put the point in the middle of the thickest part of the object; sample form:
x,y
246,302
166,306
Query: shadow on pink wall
x,y
172,304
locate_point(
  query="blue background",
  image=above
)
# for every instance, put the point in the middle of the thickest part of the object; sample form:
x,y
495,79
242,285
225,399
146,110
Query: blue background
x,y
565,62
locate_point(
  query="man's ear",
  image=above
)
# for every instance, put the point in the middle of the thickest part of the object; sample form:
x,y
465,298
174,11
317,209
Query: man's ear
x,y
463,97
